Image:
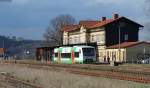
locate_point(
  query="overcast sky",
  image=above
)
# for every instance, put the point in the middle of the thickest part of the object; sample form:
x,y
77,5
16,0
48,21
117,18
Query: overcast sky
x,y
30,18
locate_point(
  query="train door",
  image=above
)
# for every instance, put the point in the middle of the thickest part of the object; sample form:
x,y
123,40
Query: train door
x,y
78,56
72,56
56,55
58,61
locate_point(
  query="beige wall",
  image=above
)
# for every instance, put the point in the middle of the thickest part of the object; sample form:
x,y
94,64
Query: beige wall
x,y
133,51
82,36
65,38
129,54
101,53
98,36
113,54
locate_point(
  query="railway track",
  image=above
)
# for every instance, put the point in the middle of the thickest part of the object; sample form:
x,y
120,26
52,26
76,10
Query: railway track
x,y
8,81
114,75
96,71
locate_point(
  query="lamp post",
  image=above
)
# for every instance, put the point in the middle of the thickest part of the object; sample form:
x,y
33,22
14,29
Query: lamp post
x,y
121,24
119,42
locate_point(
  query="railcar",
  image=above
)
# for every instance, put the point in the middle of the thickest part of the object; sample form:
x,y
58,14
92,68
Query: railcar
x,y
75,54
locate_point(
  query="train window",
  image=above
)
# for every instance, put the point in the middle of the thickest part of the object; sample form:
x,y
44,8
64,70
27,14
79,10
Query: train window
x,y
65,55
56,54
76,54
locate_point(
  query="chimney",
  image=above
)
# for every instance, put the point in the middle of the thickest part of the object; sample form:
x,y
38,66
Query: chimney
x,y
103,18
115,16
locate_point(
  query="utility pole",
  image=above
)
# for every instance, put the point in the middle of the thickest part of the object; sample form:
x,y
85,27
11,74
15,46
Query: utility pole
x,y
144,52
3,49
120,24
119,43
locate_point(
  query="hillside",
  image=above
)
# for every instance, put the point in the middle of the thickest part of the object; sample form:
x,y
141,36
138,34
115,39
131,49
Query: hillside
x,y
19,46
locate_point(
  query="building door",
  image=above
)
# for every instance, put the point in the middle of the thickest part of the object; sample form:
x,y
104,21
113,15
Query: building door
x,y
113,56
108,58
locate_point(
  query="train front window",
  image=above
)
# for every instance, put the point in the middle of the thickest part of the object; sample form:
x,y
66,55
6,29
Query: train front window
x,y
88,52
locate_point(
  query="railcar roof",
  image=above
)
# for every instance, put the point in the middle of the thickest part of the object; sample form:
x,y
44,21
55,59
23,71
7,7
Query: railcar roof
x,y
84,46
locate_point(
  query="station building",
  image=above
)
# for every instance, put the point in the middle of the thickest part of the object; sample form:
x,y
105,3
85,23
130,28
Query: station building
x,y
104,34
44,53
130,52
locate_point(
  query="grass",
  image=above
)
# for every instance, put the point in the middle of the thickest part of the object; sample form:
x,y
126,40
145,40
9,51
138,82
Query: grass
x,y
55,79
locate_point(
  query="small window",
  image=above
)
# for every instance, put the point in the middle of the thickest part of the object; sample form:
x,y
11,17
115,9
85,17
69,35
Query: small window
x,y
56,54
76,40
66,41
126,37
76,54
92,38
70,40
65,55
98,38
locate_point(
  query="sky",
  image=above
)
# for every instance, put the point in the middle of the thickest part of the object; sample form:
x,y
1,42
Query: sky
x,y
30,18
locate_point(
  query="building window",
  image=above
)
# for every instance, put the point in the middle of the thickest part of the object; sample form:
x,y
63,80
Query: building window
x,y
73,40
65,41
70,40
100,38
77,40
93,38
126,37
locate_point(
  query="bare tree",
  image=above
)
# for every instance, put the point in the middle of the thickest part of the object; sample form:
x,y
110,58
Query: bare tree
x,y
53,32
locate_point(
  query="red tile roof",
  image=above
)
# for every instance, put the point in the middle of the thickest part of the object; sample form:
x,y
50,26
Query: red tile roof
x,y
87,23
93,24
102,23
125,45
70,27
